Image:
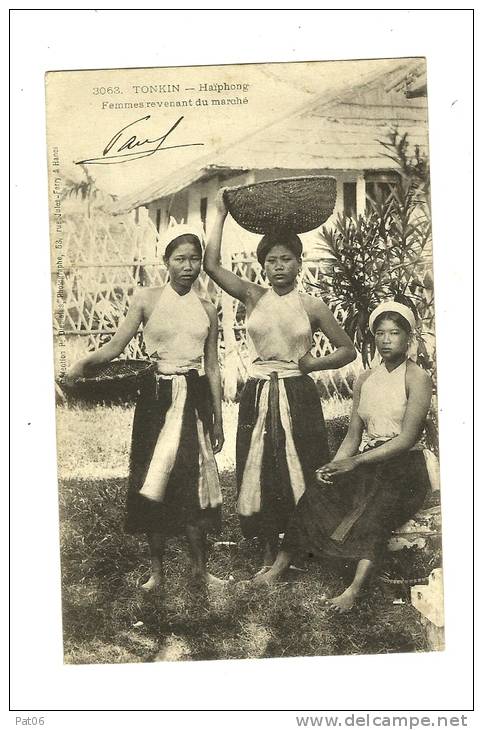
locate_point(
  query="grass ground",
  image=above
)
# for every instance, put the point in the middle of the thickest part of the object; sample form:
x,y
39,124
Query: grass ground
x,y
106,619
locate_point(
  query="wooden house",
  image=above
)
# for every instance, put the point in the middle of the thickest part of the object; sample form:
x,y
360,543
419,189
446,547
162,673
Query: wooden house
x,y
336,134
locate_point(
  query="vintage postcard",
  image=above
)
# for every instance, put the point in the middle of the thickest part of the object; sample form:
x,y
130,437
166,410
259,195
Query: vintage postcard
x,y
245,361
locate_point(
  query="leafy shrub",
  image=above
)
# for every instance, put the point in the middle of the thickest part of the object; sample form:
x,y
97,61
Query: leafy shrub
x,y
384,254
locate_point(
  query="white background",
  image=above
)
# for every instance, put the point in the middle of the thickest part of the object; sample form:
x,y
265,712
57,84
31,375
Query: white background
x,y
75,39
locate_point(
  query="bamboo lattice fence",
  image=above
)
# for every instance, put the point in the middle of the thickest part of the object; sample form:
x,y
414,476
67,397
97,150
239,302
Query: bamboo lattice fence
x,y
105,258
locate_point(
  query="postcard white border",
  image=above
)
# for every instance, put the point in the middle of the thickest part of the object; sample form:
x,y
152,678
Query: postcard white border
x,y
71,39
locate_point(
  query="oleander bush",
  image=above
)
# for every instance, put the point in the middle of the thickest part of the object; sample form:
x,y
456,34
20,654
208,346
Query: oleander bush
x,y
385,254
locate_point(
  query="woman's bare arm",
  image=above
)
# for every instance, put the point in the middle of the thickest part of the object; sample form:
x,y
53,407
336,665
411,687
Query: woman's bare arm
x,y
227,280
352,441
350,445
419,400
212,371
324,320
126,331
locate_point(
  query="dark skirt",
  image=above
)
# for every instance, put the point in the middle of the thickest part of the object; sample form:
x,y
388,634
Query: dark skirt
x,y
354,518
180,506
310,440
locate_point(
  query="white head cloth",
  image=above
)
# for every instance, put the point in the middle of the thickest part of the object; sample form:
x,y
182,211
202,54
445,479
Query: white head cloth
x,y
175,230
392,307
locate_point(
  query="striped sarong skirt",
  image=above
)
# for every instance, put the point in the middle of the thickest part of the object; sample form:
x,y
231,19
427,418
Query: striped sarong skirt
x,y
281,440
173,478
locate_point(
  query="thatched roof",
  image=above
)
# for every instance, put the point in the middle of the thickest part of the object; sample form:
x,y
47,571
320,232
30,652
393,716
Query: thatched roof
x,y
332,132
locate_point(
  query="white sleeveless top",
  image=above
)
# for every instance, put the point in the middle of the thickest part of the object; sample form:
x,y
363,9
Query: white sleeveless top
x,y
279,334
176,331
383,403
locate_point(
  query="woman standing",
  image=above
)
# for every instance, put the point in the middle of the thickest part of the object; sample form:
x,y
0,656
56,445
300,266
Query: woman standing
x,y
173,479
281,436
367,491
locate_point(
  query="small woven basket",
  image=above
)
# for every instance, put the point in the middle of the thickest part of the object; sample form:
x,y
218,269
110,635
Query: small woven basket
x,y
118,370
388,580
291,204
114,379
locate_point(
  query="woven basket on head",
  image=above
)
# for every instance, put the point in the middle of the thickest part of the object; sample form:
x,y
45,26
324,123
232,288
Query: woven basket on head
x,y
291,204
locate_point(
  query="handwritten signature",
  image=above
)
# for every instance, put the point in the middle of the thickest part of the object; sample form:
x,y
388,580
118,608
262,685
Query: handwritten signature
x,y
114,152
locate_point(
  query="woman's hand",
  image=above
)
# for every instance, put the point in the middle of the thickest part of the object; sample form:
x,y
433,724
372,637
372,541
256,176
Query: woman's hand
x,y
308,362
325,474
217,437
73,374
220,204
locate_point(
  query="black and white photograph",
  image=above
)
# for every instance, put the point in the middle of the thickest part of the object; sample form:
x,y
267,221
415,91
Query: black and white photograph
x,y
245,361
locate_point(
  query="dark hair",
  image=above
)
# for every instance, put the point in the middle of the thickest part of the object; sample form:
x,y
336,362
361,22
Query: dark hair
x,y
269,240
395,317
183,238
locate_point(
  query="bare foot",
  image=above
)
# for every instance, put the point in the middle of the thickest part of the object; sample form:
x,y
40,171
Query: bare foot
x,y
206,580
154,584
263,569
213,582
344,602
266,578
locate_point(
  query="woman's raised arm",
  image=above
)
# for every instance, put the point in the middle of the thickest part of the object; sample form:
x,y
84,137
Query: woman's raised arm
x,y
229,282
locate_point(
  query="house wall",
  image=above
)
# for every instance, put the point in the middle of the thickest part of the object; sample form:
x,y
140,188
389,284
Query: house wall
x,y
176,206
208,189
162,207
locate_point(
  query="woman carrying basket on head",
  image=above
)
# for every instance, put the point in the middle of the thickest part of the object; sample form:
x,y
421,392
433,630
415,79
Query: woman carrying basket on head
x,y
367,491
173,479
281,437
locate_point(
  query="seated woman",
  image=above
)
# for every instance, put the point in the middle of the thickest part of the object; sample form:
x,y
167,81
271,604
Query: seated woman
x,y
366,492
173,479
281,437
